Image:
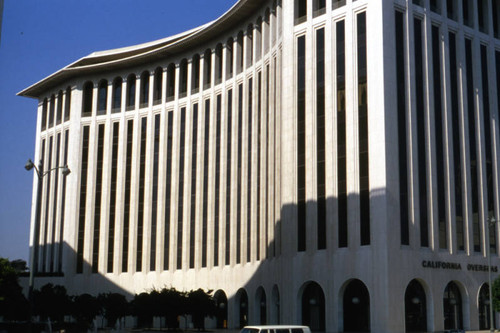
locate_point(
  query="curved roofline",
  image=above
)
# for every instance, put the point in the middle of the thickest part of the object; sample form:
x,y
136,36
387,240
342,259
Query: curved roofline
x,y
150,51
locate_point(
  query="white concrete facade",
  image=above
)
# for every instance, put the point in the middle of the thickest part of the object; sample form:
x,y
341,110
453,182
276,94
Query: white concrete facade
x,y
147,206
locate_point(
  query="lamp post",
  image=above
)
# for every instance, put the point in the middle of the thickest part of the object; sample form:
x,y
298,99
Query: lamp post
x,y
491,223
36,230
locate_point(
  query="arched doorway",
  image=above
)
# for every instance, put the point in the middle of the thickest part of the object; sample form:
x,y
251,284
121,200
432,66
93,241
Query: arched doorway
x,y
484,307
221,314
275,307
261,304
313,307
452,303
415,308
242,307
356,305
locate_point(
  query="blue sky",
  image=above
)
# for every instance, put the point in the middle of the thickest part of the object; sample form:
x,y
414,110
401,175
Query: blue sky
x,y
40,37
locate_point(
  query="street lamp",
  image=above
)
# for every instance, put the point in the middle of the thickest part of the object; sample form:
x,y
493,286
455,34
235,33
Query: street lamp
x,y
491,223
36,232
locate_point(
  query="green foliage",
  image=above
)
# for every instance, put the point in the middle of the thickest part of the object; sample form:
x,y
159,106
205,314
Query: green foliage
x,y
52,302
172,305
113,306
85,308
496,294
200,304
13,304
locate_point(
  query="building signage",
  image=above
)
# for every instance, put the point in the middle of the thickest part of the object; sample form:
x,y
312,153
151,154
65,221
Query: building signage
x,y
457,266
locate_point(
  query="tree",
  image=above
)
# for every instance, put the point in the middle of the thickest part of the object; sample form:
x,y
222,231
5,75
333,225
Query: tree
x,y
142,308
52,302
172,304
85,308
200,304
13,304
114,306
495,288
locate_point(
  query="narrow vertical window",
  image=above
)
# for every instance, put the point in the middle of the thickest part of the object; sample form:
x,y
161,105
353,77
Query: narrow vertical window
x,y
206,149
468,12
67,104
157,86
438,125
195,74
192,226
319,7
170,93
59,107
249,170
471,113
218,63
341,135
102,97
131,80
142,187
421,139
112,196
249,45
88,88
259,173
180,198
268,143
116,103
54,204
217,200
320,137
455,125
401,97
36,242
301,143
228,174
300,11
144,90
98,197
83,200
154,198
63,205
495,11
451,8
337,3
487,145
240,164
128,190
47,205
44,114
168,190
207,69
482,15
183,78
364,179
239,52
435,6
52,110
229,58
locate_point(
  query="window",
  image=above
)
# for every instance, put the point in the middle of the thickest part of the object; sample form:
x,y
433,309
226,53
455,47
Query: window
x,y
154,198
319,7
144,91
217,201
435,6
88,88
402,133
259,160
59,107
83,198
421,139
228,174
102,97
258,39
239,52
63,203
364,174
194,155
495,10
320,137
438,126
131,92
451,8
300,11
482,15
468,12
67,104
195,74
117,95
52,110
170,82
418,2
157,85
249,169
301,143
168,190
249,45
337,3
97,198
218,63
113,195
207,69
44,114
180,198
206,163
183,78
229,58
239,175
128,193
142,187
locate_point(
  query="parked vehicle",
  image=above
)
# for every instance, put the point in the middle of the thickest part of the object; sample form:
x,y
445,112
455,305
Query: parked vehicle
x,y
276,329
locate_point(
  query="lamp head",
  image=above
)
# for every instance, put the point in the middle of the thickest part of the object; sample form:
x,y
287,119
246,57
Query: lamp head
x,y
29,165
65,170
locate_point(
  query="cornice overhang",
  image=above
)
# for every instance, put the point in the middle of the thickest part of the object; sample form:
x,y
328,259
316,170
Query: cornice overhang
x,y
127,57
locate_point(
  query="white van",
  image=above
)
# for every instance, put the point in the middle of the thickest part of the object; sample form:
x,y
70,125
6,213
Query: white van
x,y
276,329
